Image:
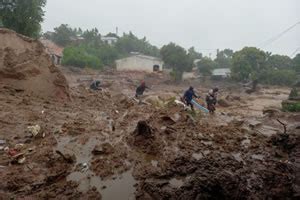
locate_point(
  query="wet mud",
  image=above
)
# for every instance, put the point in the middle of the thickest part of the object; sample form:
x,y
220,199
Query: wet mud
x,y
104,145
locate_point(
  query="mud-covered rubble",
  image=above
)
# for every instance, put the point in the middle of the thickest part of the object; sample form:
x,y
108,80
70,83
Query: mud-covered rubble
x,y
105,144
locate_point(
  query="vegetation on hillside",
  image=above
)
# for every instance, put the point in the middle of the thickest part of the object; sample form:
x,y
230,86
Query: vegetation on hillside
x,y
24,17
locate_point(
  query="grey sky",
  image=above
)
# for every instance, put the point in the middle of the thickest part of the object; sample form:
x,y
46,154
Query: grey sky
x,y
204,24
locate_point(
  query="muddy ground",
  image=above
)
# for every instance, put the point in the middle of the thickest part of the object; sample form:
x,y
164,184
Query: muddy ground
x,y
104,145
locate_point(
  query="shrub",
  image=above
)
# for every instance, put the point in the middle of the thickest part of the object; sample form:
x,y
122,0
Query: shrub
x,y
279,77
79,57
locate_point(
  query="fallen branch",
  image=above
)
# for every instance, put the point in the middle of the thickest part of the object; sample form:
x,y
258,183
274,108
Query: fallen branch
x,y
284,126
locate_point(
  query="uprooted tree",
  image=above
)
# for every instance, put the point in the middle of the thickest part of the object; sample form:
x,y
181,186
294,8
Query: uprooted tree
x,y
24,16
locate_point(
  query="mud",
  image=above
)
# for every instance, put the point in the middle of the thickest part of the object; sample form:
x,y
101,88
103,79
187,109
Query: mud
x,y
124,150
26,67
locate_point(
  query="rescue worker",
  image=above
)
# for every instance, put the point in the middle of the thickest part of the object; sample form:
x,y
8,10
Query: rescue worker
x,y
95,85
141,89
211,100
188,97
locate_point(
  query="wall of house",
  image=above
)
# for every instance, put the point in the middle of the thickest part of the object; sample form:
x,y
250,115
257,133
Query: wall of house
x,y
55,59
188,75
136,63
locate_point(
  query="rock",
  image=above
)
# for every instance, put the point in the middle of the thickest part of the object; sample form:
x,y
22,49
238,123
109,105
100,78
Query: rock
x,y
223,103
103,149
34,130
67,157
254,124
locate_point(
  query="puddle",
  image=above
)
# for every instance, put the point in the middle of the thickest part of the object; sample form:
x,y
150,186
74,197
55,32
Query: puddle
x,y
118,189
258,157
82,152
197,156
177,183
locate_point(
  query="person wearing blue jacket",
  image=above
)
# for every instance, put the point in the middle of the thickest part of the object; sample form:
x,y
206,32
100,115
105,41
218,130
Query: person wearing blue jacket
x,y
188,97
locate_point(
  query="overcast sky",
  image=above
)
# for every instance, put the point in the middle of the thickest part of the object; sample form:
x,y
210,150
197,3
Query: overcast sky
x,y
204,24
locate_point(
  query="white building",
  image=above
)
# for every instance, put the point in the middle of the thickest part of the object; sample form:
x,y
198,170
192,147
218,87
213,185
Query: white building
x,y
221,72
109,40
140,63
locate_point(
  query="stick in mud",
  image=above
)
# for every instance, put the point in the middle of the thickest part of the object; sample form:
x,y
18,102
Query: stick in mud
x,y
284,126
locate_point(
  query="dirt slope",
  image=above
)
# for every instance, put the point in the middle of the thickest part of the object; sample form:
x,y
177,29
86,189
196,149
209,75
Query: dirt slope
x,y
26,67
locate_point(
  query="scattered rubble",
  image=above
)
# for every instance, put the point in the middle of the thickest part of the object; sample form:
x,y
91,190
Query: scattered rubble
x,y
103,141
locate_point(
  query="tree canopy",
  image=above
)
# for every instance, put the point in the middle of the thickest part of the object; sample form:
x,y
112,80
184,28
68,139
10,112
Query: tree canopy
x,y
224,58
296,63
176,58
251,63
130,43
63,35
24,17
248,63
205,66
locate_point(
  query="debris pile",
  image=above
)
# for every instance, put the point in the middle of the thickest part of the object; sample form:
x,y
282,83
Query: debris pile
x,y
26,67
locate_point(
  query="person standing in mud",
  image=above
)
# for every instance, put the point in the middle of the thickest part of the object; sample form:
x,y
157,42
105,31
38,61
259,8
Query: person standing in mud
x,y
140,90
188,97
211,100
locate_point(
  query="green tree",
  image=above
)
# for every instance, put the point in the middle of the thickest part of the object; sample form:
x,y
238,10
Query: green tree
x,y
80,57
248,64
224,58
23,16
205,66
176,58
193,54
279,62
92,37
63,35
112,35
130,43
296,63
279,77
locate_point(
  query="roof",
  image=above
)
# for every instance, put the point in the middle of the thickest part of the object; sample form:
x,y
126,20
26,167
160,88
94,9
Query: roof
x,y
108,38
52,48
143,57
221,72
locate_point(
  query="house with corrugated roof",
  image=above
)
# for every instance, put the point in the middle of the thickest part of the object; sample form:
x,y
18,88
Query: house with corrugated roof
x,y
221,73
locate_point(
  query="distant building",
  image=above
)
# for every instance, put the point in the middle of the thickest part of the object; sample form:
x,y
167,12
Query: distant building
x,y
109,40
139,62
55,51
221,73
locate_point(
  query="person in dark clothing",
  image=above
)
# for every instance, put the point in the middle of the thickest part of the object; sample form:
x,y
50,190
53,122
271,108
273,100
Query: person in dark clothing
x,y
141,89
211,100
95,85
188,97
